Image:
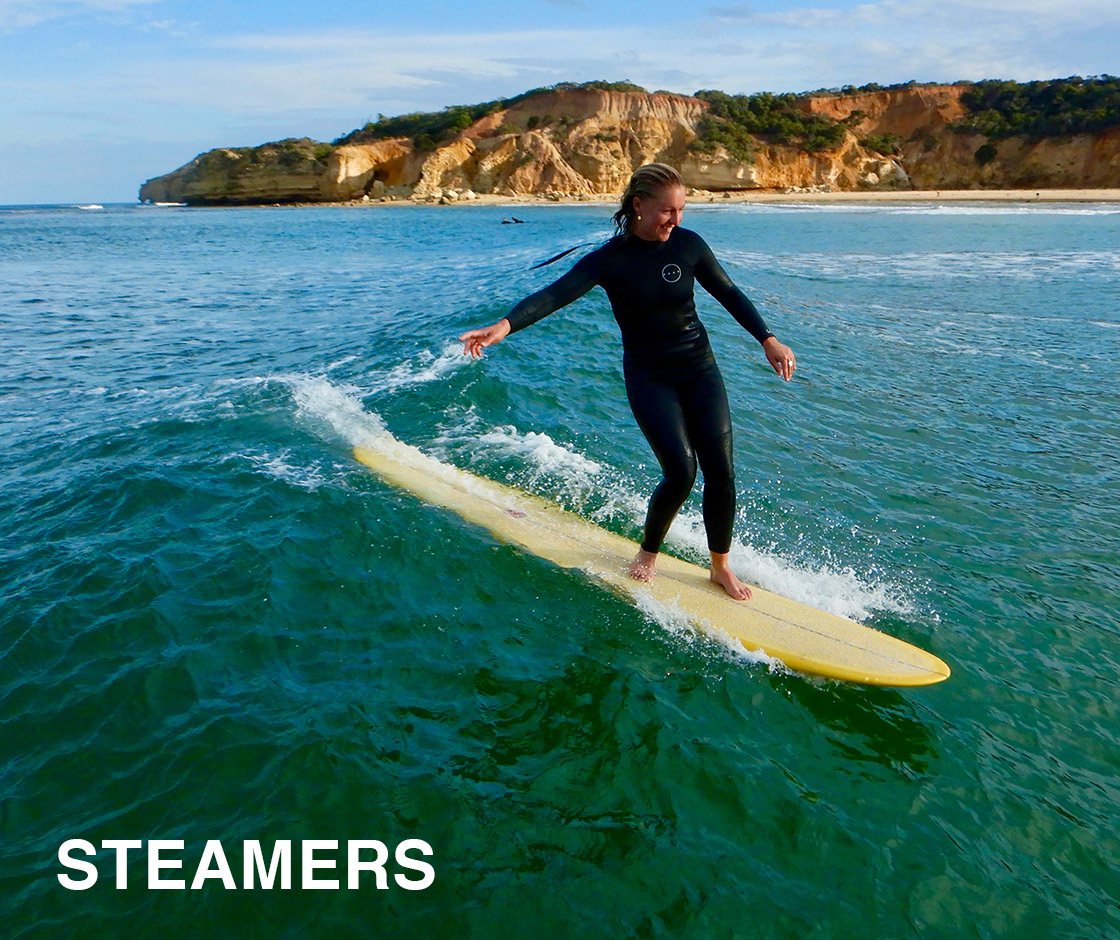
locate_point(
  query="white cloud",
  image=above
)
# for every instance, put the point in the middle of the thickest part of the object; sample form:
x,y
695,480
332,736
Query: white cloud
x,y
475,46
355,71
956,16
336,79
22,14
897,40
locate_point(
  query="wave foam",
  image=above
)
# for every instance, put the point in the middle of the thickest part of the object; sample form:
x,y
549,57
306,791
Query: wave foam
x,y
338,410
425,367
278,468
978,207
841,591
1007,265
674,620
573,477
542,452
563,473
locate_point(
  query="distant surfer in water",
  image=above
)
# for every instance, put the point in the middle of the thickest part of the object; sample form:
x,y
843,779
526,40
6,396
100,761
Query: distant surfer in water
x,y
672,381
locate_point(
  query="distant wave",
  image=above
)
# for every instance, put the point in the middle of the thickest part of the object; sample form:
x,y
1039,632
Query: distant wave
x,y
922,207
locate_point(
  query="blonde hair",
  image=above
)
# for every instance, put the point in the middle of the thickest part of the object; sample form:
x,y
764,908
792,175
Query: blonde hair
x,y
646,182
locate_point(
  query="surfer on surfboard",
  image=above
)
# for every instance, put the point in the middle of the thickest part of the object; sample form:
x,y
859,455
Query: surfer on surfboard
x,y
673,384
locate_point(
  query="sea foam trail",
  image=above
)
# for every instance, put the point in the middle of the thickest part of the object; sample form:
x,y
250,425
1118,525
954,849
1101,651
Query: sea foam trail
x,y
336,408
547,467
281,468
424,367
571,476
840,591
338,411
676,622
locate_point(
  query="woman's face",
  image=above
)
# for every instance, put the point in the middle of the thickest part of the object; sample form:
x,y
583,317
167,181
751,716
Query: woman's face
x,y
660,214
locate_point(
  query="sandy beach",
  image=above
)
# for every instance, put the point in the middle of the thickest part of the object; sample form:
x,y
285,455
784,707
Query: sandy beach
x,y
911,195
781,196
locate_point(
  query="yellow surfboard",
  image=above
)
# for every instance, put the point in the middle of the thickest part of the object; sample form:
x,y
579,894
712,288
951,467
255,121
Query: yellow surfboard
x,y
803,638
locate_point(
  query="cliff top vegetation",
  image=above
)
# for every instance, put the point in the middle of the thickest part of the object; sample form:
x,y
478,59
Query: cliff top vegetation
x,y
432,127
735,122
1054,108
738,122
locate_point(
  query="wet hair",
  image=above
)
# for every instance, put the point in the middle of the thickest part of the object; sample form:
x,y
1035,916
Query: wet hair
x,y
646,182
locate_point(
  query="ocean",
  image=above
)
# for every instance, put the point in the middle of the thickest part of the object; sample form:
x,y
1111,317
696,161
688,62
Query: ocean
x,y
217,627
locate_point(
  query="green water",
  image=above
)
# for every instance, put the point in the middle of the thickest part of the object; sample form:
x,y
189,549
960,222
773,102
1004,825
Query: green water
x,y
216,625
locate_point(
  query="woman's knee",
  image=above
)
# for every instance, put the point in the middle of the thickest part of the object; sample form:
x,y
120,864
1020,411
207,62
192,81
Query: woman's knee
x,y
679,473
717,463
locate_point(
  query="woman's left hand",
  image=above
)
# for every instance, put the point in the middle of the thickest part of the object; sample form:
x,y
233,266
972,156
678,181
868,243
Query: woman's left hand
x,y
780,357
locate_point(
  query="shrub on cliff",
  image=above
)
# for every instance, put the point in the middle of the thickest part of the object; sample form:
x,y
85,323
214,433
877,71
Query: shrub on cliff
x,y
883,143
985,154
607,86
736,121
441,125
1055,108
303,153
715,132
433,125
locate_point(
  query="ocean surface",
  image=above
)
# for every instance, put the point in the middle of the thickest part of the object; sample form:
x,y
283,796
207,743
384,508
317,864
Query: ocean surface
x,y
216,625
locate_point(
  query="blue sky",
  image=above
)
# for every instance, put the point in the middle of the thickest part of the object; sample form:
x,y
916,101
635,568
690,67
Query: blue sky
x,y
97,96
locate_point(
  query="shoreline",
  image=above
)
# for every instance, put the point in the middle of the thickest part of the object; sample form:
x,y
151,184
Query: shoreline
x,y
930,195
787,197
1026,197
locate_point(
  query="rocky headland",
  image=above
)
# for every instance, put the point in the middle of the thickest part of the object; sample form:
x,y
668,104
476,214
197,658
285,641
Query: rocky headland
x,y
583,142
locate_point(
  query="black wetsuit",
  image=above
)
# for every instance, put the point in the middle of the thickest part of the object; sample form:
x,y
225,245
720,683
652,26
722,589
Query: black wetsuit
x,y
672,380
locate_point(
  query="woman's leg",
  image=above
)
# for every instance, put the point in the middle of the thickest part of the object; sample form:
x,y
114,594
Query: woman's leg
x,y
708,419
658,410
684,423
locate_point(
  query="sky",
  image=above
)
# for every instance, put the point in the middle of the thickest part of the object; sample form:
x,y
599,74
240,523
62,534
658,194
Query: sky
x,y
97,96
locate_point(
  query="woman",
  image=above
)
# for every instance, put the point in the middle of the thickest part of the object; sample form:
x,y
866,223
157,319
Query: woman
x,y
672,381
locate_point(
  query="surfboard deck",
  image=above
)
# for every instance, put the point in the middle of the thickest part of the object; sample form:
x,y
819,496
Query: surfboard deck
x,y
803,638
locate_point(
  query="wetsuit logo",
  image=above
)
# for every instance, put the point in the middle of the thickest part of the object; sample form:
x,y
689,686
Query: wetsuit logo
x,y
671,273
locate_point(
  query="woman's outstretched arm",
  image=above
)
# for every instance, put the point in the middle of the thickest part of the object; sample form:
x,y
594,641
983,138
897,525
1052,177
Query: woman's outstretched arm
x,y
561,292
712,277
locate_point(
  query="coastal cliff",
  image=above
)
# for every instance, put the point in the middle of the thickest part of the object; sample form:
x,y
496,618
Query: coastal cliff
x,y
584,142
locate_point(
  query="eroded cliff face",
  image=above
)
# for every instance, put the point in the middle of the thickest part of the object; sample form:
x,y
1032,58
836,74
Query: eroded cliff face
x,y
591,142
1082,161
586,143
286,171
848,167
908,112
936,157
565,143
387,167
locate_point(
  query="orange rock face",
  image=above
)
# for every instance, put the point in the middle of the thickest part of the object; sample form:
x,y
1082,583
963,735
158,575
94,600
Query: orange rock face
x,y
585,143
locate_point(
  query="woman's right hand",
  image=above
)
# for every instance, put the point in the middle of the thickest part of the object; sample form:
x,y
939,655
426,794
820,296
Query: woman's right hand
x,y
474,341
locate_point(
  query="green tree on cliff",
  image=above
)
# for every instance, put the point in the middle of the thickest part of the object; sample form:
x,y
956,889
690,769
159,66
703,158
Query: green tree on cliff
x,y
1055,108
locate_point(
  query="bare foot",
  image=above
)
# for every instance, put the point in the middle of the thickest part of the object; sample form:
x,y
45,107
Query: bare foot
x,y
641,568
722,575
